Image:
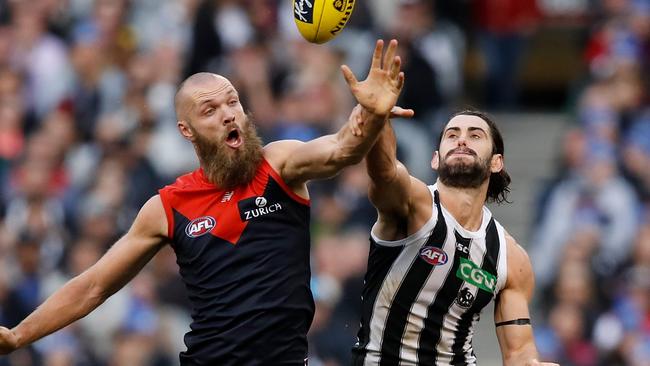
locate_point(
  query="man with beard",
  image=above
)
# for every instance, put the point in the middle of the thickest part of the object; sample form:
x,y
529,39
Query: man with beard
x,y
438,257
239,226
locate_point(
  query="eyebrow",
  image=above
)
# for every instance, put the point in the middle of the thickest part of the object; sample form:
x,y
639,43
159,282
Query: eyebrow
x,y
230,92
476,129
457,129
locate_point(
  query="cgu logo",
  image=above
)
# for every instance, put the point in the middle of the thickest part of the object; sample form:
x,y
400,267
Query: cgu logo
x,y
200,226
434,256
473,274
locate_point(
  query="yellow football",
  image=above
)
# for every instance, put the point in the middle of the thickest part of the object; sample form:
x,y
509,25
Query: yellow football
x,y
321,20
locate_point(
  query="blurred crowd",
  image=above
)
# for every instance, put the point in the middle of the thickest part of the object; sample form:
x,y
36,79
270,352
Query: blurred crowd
x,y
591,243
88,134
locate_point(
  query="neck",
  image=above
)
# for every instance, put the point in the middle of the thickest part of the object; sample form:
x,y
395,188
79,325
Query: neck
x,y
464,204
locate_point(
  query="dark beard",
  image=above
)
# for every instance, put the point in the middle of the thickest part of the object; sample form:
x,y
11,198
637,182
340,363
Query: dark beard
x,y
226,168
464,175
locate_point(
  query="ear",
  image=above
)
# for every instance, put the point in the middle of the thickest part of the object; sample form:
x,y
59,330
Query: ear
x,y
435,160
496,163
185,130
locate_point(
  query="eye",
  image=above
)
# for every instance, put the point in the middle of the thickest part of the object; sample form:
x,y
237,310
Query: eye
x,y
451,136
209,112
476,136
233,102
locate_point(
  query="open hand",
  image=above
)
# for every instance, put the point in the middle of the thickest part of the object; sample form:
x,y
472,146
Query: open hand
x,y
379,92
8,341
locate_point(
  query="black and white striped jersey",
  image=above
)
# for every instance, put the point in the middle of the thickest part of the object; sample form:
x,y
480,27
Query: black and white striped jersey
x,y
423,294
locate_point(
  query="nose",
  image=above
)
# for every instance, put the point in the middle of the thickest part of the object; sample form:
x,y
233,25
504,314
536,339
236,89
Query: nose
x,y
461,141
228,116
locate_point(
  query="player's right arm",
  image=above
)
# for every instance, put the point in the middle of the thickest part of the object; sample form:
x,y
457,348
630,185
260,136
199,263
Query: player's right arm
x,y
402,201
87,291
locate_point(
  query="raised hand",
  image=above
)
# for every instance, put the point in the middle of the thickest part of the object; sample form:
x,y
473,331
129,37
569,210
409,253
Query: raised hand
x,y
8,341
379,92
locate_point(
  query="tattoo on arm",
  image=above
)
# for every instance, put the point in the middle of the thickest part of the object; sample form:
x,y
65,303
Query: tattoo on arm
x,y
520,321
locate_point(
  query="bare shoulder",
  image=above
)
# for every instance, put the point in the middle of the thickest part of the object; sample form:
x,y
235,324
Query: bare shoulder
x,y
277,152
420,205
420,193
151,220
520,270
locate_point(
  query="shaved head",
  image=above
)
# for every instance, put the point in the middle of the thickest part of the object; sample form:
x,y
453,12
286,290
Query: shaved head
x,y
210,115
183,100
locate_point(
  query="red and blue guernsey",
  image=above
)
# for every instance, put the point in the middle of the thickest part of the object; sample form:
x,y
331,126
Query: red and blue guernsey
x,y
244,257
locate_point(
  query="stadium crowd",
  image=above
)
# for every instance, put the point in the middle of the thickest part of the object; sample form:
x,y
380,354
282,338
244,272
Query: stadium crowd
x,y
88,134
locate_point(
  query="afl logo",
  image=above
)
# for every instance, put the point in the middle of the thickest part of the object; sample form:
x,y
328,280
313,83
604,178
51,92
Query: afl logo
x,y
434,256
200,226
260,202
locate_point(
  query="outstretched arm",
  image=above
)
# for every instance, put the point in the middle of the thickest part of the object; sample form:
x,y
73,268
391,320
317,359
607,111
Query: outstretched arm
x,y
511,315
325,156
402,201
84,293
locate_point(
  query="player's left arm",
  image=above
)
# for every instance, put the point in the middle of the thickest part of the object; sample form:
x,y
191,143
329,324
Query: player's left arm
x,y
511,314
324,157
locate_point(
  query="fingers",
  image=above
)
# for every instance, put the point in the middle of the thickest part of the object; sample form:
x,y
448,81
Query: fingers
x,y
389,57
394,70
349,76
399,112
376,56
400,81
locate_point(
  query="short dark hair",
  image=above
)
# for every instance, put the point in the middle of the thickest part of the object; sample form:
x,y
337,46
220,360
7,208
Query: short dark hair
x,y
498,188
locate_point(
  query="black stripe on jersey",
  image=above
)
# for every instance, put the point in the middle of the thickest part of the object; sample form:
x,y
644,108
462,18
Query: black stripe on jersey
x,y
490,260
411,285
430,334
380,260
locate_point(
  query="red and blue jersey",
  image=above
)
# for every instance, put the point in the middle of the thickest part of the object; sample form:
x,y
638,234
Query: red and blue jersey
x,y
244,257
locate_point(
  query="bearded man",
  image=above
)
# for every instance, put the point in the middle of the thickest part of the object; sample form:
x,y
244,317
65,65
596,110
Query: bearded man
x,y
438,257
239,226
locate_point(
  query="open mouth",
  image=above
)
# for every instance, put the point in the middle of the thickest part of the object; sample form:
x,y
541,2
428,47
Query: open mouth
x,y
234,139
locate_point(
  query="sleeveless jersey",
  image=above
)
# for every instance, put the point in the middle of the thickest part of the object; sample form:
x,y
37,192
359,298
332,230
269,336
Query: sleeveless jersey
x,y
423,294
244,257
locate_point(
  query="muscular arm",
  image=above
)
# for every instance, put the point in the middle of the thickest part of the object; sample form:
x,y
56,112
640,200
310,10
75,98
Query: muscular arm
x,y
516,340
87,291
326,156
399,198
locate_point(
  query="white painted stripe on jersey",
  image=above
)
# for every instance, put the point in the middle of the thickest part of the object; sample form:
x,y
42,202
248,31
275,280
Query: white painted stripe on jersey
x,y
502,261
415,319
385,298
393,280
469,357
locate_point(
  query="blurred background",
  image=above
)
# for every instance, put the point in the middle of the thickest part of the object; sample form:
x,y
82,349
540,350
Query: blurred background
x,y
88,134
